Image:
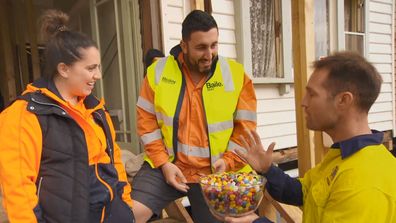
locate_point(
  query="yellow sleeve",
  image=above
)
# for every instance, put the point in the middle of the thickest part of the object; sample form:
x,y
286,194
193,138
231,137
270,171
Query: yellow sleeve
x,y
20,149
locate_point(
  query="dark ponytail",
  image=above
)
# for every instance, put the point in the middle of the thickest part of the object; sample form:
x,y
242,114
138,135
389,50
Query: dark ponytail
x,y
62,44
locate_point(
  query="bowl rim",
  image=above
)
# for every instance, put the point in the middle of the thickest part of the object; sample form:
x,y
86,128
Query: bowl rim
x,y
259,183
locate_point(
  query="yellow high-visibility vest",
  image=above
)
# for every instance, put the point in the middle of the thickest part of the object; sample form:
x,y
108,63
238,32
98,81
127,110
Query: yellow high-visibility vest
x,y
220,97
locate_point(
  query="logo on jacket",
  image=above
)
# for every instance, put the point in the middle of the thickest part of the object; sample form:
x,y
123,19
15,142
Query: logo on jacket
x,y
333,174
168,81
212,86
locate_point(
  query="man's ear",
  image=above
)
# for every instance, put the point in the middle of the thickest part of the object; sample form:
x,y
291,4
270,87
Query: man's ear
x,y
345,99
183,46
63,70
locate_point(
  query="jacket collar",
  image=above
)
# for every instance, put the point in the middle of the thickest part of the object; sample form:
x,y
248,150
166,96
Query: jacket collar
x,y
48,88
350,146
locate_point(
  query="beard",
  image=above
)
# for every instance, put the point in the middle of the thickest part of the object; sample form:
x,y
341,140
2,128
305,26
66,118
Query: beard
x,y
194,66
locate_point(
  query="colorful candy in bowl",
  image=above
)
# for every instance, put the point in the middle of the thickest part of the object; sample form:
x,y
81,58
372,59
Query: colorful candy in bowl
x,y
232,194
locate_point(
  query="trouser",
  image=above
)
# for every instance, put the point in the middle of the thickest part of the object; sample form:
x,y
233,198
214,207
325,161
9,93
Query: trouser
x,y
115,212
150,188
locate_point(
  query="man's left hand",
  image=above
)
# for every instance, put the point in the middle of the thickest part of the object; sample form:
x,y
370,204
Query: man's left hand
x,y
220,166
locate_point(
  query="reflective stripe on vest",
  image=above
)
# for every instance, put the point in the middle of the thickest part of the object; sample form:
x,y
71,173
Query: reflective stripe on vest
x,y
246,115
145,105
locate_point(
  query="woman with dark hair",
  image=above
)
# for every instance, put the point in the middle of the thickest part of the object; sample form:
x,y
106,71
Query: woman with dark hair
x,y
60,162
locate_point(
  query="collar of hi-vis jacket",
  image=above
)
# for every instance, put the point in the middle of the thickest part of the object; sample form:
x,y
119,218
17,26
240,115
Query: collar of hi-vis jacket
x,y
44,93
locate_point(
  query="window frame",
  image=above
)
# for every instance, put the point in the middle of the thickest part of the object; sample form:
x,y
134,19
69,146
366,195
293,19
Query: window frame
x,y
341,33
244,44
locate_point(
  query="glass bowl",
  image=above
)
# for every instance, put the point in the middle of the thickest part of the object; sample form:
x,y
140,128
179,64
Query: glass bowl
x,y
232,194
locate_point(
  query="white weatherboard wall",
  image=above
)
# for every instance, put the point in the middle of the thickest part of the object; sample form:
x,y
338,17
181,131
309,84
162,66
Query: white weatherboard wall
x,y
174,11
276,119
276,113
380,53
172,15
223,12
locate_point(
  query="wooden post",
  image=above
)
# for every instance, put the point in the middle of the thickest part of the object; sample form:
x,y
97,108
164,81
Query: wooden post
x,y
32,31
303,56
19,17
198,4
7,79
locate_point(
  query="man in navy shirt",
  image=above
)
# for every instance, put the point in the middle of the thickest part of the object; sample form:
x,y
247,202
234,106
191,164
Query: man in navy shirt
x,y
354,182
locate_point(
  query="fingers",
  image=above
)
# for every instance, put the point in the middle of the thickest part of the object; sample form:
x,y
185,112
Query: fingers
x,y
179,186
242,154
256,137
244,143
271,147
181,176
219,166
182,186
250,139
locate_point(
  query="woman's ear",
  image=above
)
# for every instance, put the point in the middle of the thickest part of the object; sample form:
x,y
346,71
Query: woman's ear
x,y
63,70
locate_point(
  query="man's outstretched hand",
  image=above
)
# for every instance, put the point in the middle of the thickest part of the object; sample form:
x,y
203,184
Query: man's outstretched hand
x,y
255,155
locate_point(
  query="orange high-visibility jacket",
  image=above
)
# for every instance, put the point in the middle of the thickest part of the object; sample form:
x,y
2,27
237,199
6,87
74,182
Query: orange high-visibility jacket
x,y
21,148
192,133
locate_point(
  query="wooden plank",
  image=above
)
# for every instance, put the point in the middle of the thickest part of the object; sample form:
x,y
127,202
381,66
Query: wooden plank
x,y
380,7
271,91
197,4
303,55
380,38
225,21
381,58
223,7
8,82
289,213
266,208
227,36
175,14
32,32
380,116
380,17
276,105
387,140
228,50
276,117
285,155
380,48
282,142
19,17
381,126
176,210
380,28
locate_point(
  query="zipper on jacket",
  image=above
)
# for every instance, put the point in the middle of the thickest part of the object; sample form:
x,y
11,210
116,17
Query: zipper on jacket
x,y
206,120
104,182
39,187
49,104
111,153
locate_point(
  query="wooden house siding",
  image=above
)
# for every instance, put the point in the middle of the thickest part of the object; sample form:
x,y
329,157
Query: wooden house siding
x,y
380,53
